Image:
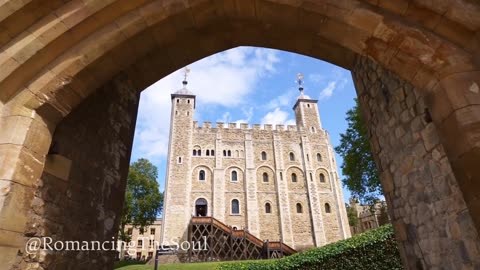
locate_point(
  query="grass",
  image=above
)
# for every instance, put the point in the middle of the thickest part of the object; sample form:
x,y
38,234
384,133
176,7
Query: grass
x,y
175,266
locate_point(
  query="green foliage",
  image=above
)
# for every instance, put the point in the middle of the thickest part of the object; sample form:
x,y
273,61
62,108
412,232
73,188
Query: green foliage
x,y
383,217
375,249
143,200
359,169
352,216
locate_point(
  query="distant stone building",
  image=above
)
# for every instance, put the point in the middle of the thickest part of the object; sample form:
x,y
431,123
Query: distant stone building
x,y
368,217
279,183
143,245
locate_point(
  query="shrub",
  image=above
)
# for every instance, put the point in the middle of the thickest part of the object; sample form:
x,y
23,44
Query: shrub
x,y
375,249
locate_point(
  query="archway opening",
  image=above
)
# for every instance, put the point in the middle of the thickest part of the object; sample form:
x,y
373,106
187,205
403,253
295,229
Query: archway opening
x,y
57,80
201,207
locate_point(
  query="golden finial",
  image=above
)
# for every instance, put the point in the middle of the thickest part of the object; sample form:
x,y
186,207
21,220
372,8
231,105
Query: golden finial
x,y
300,81
185,74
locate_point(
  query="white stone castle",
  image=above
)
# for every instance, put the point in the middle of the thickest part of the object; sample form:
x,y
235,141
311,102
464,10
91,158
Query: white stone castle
x,y
278,183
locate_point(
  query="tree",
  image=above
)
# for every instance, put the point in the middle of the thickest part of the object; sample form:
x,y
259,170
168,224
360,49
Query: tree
x,y
352,215
359,169
143,200
383,217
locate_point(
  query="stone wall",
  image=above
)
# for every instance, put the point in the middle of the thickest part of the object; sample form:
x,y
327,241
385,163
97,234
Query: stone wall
x,y
239,147
432,223
80,193
178,182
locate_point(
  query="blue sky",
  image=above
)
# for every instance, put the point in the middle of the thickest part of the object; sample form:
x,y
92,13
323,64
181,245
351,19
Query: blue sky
x,y
244,84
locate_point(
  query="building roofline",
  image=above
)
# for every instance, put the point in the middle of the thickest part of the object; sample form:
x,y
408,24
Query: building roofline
x,y
182,95
304,100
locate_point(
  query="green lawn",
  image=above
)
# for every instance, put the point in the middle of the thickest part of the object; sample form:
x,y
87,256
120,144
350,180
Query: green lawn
x,y
175,266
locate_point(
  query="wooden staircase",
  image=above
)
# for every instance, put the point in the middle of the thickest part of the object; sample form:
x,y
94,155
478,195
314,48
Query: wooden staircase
x,y
227,244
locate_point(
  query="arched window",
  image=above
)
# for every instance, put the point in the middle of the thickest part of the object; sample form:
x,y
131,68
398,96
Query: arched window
x,y
179,160
322,178
299,208
199,152
224,153
194,152
178,100
208,152
201,175
268,208
264,155
292,156
237,153
188,101
229,153
294,177
212,152
235,207
234,176
319,157
327,208
313,130
265,177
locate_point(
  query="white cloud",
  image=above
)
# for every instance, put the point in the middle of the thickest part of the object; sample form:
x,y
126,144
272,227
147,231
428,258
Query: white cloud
x,y
277,117
328,91
227,118
222,79
338,81
316,77
287,99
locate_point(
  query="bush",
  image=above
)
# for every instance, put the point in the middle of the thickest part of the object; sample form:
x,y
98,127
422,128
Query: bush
x,y
375,249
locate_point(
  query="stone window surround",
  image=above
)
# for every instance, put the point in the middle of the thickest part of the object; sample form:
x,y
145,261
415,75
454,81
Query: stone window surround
x,y
291,156
211,153
299,208
263,155
268,210
265,177
231,208
232,176
327,208
322,178
200,178
294,178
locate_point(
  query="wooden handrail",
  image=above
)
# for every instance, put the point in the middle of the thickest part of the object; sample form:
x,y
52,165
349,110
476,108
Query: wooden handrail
x,y
255,239
239,233
277,245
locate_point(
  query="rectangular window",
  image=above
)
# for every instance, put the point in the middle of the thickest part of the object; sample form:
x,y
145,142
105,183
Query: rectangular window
x,y
152,231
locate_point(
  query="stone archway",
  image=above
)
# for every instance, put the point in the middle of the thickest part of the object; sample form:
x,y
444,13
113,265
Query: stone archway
x,y
73,70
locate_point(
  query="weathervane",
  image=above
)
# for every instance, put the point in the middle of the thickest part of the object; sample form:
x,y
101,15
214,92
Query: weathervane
x,y
300,82
185,74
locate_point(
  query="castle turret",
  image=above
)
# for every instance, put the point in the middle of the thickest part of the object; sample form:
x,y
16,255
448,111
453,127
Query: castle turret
x,y
177,184
306,110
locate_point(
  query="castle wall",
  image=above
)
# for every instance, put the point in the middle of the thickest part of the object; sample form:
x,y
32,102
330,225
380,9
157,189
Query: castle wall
x,y
267,150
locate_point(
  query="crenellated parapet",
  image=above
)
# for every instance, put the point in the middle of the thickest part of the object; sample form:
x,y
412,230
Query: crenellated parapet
x,y
244,126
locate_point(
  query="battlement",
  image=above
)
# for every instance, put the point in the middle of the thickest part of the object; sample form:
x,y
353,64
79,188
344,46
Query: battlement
x,y
245,126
